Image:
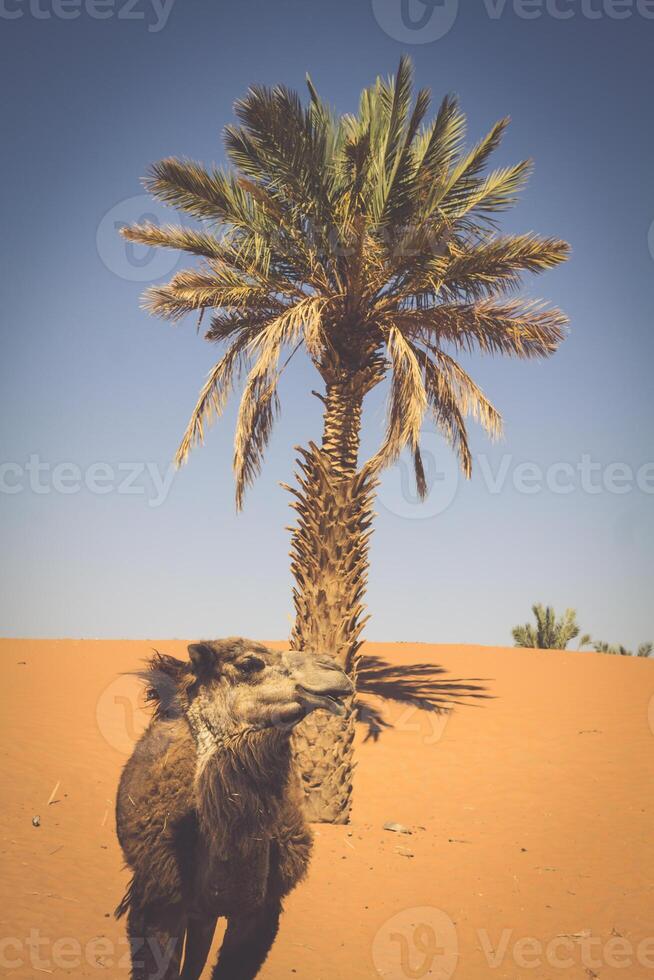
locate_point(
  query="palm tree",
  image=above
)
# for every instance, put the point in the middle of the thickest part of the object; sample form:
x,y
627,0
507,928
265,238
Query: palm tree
x,y
549,633
370,241
644,650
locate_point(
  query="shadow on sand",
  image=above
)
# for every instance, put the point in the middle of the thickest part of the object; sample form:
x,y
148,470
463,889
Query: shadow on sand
x,y
419,685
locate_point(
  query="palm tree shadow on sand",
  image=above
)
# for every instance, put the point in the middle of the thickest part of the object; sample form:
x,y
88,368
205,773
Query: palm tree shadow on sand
x,y
419,685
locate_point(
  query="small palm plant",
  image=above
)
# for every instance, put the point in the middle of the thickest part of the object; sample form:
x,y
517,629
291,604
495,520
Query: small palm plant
x,y
368,241
549,633
644,650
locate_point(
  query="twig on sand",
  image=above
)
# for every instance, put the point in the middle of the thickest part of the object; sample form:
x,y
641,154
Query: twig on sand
x,y
52,796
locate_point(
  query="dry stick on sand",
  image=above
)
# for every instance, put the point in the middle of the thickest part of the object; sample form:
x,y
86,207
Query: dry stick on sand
x,y
54,793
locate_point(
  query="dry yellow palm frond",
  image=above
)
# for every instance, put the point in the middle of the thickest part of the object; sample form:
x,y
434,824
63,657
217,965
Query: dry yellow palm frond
x,y
303,318
257,410
447,413
469,397
215,392
228,323
259,342
259,402
407,400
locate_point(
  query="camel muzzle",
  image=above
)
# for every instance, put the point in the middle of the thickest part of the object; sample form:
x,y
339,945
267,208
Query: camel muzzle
x,y
325,686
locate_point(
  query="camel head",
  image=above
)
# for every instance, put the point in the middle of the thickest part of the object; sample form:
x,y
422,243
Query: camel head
x,y
237,685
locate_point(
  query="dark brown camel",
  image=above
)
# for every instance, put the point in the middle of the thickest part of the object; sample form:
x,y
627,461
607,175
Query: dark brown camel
x,y
208,810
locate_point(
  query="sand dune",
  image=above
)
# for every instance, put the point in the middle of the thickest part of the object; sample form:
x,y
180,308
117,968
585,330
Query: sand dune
x,y
531,806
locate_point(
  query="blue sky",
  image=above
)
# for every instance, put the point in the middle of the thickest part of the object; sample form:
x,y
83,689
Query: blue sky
x,y
95,394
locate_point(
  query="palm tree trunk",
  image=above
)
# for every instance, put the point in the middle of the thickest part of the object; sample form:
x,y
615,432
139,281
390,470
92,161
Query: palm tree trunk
x,y
329,560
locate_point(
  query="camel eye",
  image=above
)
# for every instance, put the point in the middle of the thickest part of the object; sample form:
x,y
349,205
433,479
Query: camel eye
x,y
251,665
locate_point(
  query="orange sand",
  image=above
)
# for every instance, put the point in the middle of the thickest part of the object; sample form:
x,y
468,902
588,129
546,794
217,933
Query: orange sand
x,y
532,813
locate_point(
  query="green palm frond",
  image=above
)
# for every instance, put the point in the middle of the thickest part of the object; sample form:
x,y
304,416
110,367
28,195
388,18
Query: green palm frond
x,y
495,266
464,176
617,650
187,186
550,632
438,146
191,290
191,240
517,328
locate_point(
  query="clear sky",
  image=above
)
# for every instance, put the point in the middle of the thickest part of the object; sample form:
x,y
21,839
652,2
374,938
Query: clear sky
x,y
95,394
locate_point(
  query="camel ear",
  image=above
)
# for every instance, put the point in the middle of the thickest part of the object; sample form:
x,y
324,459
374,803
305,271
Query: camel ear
x,y
203,658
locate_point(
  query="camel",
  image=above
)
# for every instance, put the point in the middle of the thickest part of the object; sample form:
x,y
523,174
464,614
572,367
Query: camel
x,y
209,809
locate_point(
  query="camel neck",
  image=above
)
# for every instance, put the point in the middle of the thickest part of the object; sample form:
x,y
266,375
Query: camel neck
x,y
242,784
263,756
